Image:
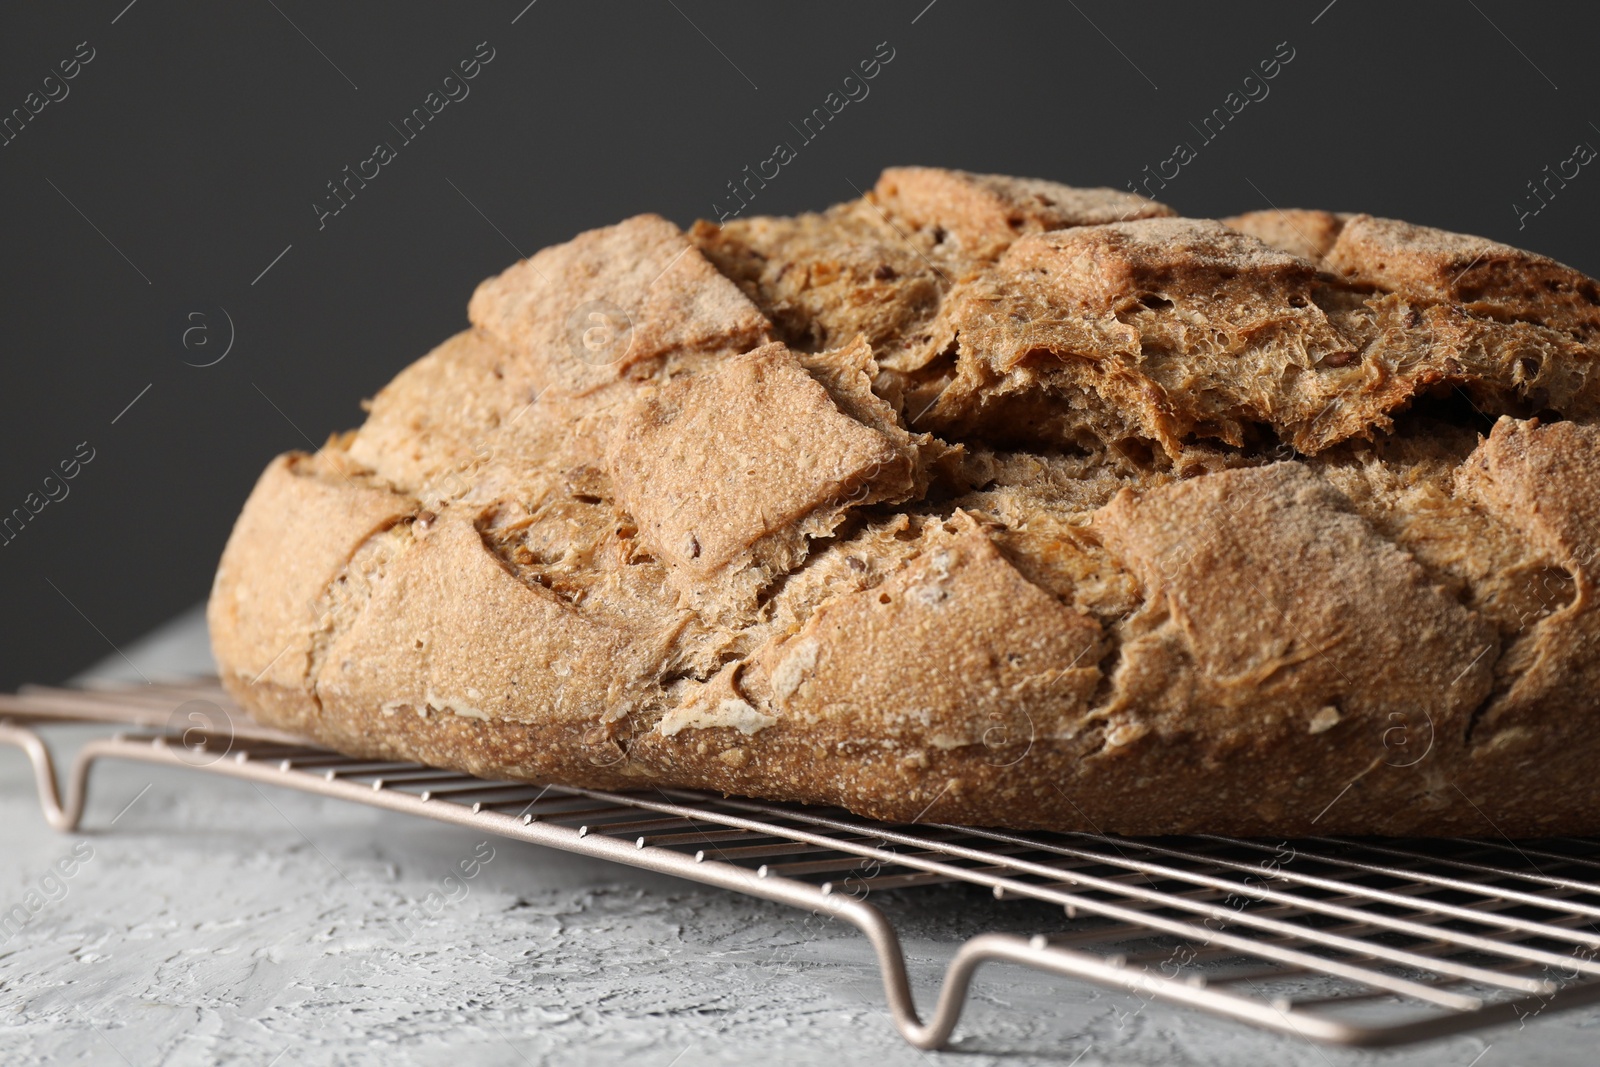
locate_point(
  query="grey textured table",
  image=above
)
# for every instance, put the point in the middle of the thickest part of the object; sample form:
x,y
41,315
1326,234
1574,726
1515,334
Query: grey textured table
x,y
207,920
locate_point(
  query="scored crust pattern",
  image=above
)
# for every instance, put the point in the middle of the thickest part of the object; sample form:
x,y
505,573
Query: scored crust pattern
x,y
977,499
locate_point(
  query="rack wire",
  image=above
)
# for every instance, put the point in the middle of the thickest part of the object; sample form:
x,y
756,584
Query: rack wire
x,y
1368,943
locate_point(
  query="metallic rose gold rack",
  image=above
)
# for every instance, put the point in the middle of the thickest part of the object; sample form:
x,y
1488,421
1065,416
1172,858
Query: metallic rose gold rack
x,y
1349,942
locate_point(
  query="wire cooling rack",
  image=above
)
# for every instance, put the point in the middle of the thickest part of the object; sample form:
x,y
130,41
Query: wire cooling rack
x,y
1372,943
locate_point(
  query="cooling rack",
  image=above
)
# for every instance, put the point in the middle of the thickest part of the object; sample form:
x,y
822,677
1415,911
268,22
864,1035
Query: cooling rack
x,y
1369,943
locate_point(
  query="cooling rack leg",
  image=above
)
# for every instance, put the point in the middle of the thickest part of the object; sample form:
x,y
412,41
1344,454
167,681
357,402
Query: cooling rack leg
x,y
44,772
934,1034
958,976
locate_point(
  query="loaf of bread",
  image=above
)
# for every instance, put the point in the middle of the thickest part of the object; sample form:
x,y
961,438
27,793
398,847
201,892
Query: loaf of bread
x,y
977,500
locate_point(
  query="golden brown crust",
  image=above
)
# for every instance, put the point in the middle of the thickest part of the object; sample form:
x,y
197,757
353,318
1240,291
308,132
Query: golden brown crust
x,y
471,382
1545,482
1267,598
580,326
1307,234
978,499
986,212
752,455
1487,279
826,279
1167,330
266,614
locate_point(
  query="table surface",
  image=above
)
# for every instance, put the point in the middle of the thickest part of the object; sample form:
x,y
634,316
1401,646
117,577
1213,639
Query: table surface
x,y
208,920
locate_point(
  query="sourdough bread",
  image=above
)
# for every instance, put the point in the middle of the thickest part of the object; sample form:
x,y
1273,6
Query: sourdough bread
x,y
979,500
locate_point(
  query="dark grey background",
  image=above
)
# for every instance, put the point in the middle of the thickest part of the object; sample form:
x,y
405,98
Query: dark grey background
x,y
199,136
